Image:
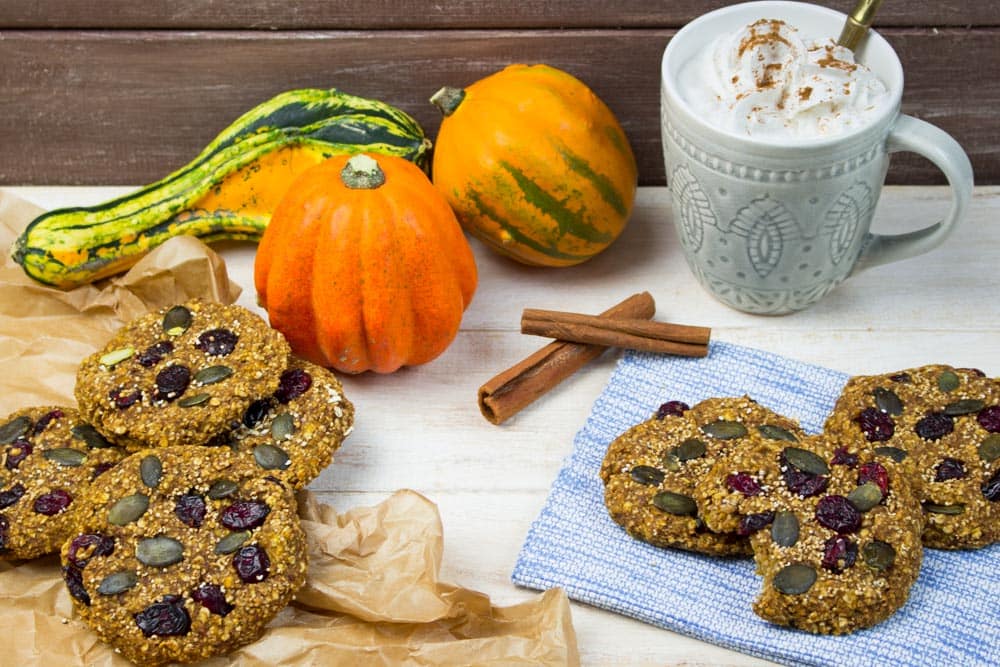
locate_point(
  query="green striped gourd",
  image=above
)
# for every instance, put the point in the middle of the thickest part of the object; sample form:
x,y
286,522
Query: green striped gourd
x,y
535,165
226,193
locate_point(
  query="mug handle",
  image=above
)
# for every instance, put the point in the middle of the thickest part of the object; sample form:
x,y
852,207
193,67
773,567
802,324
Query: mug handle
x,y
917,136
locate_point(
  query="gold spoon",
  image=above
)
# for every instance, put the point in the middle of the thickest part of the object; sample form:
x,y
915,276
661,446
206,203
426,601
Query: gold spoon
x,y
858,23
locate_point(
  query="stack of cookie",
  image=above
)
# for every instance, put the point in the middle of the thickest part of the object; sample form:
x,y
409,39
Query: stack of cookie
x,y
170,491
836,522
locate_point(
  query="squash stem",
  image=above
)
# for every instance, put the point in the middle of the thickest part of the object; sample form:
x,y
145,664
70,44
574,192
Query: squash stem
x,y
447,99
362,173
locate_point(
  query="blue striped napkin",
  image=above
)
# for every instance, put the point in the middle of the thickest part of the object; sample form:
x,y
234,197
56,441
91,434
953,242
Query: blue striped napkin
x,y
951,618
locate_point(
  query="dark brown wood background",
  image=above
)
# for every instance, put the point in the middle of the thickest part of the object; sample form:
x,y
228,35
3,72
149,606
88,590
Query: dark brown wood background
x,y
125,91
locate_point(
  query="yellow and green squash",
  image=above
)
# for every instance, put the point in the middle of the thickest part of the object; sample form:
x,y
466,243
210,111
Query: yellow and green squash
x,y
226,193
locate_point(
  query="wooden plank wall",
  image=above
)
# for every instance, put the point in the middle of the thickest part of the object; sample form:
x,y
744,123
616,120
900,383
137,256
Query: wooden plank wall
x,y
122,92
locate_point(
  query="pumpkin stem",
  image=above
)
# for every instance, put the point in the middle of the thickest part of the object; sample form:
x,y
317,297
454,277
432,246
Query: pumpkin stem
x,y
447,99
362,173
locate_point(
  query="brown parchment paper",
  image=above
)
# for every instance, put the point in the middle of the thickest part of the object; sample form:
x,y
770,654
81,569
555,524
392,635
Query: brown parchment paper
x,y
372,595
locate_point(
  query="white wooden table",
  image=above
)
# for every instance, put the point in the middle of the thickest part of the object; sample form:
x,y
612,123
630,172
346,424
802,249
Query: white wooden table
x,y
420,428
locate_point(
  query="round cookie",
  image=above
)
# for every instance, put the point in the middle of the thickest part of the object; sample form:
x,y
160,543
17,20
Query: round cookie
x,y
48,457
180,375
944,423
651,470
183,553
835,530
294,432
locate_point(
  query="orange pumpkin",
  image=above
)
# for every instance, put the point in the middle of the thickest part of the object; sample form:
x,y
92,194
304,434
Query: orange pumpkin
x,y
364,266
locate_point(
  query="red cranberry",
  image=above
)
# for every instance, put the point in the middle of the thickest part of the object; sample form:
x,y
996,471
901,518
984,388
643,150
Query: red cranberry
x,y
211,598
949,468
293,383
4,531
875,424
53,502
244,515
841,457
164,619
102,468
989,418
190,509
875,472
11,495
751,523
838,514
46,419
839,553
217,342
991,487
743,482
123,398
805,484
252,564
84,547
935,426
672,409
19,450
73,577
154,354
172,381
901,377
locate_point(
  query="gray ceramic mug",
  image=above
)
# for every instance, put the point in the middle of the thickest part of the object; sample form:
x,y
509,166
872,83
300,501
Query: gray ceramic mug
x,y
770,227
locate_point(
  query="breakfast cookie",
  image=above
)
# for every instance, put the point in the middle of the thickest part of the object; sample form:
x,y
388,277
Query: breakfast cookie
x,y
294,432
180,375
651,470
835,530
182,553
49,457
944,424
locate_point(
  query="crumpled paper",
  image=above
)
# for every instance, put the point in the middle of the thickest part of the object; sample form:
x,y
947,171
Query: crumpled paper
x,y
372,594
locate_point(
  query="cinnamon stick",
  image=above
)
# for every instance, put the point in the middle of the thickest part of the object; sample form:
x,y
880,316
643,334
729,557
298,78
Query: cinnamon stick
x,y
518,386
634,334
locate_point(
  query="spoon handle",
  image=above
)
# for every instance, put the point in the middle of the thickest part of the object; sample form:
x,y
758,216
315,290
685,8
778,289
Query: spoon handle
x,y
858,22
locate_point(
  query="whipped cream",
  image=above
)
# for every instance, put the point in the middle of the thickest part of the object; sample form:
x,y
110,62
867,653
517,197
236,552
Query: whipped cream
x,y
770,82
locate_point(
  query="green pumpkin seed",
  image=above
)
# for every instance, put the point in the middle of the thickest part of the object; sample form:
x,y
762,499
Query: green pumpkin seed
x,y
989,449
866,496
785,529
151,471
116,583
176,321
115,357
772,432
647,475
222,488
948,381
794,579
14,429
128,509
283,426
212,374
231,542
887,401
64,456
806,461
675,503
90,436
692,448
964,407
894,453
724,430
270,457
878,555
191,401
159,551
934,508
670,461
